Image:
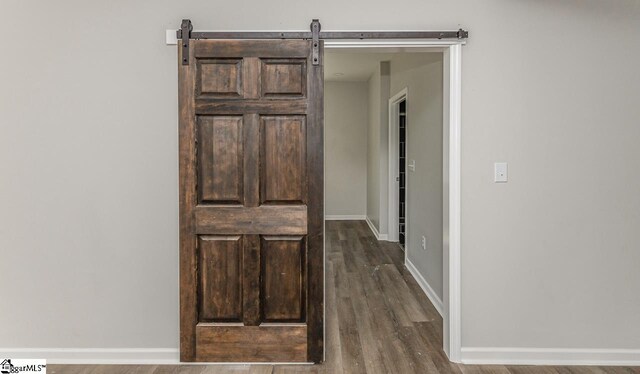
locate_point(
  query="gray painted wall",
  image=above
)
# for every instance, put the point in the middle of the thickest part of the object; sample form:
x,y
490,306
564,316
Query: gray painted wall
x,y
345,148
373,150
88,158
378,148
421,74
383,147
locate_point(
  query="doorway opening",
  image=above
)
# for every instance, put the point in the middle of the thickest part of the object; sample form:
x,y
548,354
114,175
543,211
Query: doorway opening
x,y
398,168
402,167
382,195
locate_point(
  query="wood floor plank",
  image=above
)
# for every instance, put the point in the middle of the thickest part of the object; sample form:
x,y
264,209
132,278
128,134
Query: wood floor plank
x,y
528,369
373,251
591,369
167,369
261,369
294,369
340,231
74,369
353,251
385,323
430,334
443,364
333,351
340,275
393,252
126,369
392,300
485,369
619,370
349,256
565,370
420,360
235,369
391,277
352,356
370,341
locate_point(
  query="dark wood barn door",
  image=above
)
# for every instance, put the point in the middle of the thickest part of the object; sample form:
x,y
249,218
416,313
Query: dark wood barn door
x,y
251,202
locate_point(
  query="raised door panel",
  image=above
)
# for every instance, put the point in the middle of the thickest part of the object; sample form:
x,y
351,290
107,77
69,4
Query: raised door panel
x,y
219,268
282,78
283,155
220,150
283,283
272,219
274,343
219,78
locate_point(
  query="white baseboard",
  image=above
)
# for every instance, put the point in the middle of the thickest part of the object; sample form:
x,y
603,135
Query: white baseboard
x,y
139,356
431,294
338,217
375,231
550,356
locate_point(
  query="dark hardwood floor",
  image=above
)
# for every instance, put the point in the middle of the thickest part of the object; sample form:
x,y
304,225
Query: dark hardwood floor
x,y
378,320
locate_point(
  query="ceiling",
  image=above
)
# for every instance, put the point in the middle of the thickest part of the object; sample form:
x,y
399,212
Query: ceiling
x,y
355,66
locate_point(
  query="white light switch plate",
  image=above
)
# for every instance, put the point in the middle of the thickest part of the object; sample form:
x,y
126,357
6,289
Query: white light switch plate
x,y
500,172
412,165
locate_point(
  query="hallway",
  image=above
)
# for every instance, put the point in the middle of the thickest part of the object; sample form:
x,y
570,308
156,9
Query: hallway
x,y
384,322
378,320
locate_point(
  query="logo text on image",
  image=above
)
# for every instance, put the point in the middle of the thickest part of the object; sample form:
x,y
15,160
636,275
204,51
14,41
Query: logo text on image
x,y
10,366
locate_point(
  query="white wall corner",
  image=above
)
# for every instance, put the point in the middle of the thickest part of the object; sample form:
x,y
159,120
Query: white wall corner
x,y
426,288
549,356
374,230
98,356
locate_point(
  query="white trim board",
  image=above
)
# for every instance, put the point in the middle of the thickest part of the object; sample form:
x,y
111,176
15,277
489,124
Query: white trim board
x,y
426,288
374,230
102,356
341,217
452,84
394,196
549,356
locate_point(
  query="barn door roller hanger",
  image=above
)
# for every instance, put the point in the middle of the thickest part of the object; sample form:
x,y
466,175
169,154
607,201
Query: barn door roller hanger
x,y
186,33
